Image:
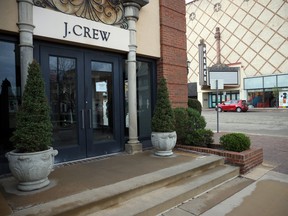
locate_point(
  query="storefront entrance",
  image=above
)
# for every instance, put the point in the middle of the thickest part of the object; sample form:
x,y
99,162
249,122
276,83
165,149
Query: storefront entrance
x,y
85,93
222,96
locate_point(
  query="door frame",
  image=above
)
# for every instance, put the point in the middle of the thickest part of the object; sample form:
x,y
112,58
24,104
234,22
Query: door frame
x,y
42,50
105,147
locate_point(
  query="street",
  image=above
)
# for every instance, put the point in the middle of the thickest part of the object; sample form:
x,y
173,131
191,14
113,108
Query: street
x,y
258,122
267,129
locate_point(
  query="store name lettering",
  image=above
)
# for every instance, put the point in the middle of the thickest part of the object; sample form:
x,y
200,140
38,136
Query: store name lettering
x,y
83,31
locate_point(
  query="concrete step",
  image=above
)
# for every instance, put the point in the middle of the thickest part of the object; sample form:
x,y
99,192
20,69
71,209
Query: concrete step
x,y
189,178
200,204
159,200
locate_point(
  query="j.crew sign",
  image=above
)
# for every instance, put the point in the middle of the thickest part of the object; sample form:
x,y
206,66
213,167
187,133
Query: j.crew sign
x,y
86,32
52,24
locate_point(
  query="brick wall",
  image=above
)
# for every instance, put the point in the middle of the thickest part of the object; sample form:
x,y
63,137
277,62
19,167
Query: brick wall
x,y
173,62
246,160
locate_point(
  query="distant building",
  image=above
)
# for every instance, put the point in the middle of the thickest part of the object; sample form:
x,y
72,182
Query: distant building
x,y
253,41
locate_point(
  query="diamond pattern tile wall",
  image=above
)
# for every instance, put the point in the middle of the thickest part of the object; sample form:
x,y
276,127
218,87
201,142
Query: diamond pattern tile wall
x,y
252,32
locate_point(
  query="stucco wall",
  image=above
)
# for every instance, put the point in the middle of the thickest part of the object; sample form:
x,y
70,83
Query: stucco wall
x,y
8,15
148,30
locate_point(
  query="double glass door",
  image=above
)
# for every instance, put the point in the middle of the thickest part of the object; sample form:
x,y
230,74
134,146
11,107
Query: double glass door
x,y
84,94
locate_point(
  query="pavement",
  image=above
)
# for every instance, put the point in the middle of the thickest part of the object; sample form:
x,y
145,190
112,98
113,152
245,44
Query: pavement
x,y
265,194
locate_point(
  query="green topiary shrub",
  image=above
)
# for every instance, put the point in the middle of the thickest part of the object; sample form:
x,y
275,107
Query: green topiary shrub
x,y
181,124
237,142
200,137
33,126
196,120
163,119
195,104
190,128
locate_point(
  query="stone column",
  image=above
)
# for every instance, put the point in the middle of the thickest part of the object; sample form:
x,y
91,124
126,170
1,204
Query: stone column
x,y
25,25
132,8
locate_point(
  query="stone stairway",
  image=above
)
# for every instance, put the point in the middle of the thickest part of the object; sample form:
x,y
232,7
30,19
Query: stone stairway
x,y
148,194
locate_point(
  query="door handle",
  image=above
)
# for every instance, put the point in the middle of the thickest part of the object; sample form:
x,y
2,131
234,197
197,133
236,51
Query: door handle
x,y
90,117
82,119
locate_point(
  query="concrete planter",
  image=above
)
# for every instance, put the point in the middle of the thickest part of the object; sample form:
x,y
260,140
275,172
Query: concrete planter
x,y
164,142
31,169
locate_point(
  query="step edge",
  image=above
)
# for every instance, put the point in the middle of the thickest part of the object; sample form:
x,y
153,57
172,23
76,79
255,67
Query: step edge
x,y
225,173
86,198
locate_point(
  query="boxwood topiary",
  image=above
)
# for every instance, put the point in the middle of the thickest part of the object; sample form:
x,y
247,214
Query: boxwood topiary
x,y
237,142
196,120
181,124
200,137
195,104
190,128
33,125
163,119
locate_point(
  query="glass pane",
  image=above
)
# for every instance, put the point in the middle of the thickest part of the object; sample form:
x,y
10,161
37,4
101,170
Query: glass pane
x,y
282,80
144,72
101,66
144,98
253,83
102,104
63,100
269,81
9,98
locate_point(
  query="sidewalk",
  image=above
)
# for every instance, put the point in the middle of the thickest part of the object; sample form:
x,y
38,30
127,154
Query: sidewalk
x,y
268,193
267,196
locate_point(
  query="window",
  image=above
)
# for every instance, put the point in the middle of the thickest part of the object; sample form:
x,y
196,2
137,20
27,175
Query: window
x,y
9,96
253,83
282,80
144,96
270,82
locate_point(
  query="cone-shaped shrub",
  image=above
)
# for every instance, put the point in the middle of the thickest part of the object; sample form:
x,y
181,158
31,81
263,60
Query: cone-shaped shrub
x,y
163,119
33,125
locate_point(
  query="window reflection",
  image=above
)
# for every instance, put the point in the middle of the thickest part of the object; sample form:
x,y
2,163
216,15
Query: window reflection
x,y
144,73
9,97
63,100
102,104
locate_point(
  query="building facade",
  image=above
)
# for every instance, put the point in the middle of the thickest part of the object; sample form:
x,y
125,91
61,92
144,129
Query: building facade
x,y
253,50
100,61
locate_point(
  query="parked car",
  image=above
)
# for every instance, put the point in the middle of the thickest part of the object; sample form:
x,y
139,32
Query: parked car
x,y
233,105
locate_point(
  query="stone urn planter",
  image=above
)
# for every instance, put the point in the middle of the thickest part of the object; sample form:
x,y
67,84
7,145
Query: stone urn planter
x,y
163,142
33,157
163,136
31,169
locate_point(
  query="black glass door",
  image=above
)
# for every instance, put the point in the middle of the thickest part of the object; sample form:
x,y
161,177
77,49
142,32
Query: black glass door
x,y
102,103
83,91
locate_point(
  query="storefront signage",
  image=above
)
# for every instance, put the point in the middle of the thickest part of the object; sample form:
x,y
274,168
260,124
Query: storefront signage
x,y
84,31
202,63
283,99
229,77
56,25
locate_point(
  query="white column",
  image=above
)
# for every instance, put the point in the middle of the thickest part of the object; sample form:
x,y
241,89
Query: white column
x,y
132,9
25,25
